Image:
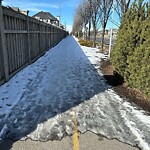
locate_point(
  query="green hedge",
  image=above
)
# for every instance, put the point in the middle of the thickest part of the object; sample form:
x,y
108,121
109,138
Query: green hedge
x,y
131,53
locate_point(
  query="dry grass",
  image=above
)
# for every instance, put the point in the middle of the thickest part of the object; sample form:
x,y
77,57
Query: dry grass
x,y
86,43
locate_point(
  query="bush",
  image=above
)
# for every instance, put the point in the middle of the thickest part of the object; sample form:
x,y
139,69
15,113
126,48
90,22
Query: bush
x,y
131,53
86,43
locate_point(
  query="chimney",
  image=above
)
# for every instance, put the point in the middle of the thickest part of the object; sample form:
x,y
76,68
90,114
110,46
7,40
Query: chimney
x,y
58,18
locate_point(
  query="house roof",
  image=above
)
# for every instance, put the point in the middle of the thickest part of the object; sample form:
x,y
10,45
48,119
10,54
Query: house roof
x,y
19,10
15,8
45,15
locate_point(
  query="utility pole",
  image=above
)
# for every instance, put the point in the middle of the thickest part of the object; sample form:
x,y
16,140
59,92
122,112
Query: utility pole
x,y
59,12
89,33
111,32
65,26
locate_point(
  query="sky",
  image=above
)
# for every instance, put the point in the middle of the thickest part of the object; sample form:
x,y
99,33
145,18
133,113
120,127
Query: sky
x,y
63,8
56,7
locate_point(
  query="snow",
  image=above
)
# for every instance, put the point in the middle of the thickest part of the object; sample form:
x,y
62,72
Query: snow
x,y
41,100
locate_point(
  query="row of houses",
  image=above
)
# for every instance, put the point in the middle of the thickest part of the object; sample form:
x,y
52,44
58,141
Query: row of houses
x,y
108,32
46,17
100,32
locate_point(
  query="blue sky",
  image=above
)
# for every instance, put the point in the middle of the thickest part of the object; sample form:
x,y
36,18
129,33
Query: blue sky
x,y
52,6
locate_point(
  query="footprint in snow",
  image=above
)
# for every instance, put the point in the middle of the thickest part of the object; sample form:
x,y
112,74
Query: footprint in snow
x,y
8,105
30,79
5,92
4,98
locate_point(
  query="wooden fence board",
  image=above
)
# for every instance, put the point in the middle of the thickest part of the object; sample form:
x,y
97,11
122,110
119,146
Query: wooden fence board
x,y
2,74
3,44
26,40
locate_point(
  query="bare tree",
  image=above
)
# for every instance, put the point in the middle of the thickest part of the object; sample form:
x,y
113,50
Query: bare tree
x,y
90,14
84,9
105,12
122,6
95,15
96,12
84,13
77,22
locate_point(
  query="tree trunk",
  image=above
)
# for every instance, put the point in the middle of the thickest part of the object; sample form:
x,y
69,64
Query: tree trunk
x,y
78,34
94,41
103,34
84,33
89,32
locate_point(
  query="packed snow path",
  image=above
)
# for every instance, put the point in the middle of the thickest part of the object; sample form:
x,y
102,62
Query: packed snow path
x,y
39,102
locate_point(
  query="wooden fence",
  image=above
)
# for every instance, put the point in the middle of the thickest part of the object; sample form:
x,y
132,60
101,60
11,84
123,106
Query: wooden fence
x,y
23,39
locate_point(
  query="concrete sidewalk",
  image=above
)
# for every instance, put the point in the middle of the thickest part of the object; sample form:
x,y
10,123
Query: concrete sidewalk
x,y
87,141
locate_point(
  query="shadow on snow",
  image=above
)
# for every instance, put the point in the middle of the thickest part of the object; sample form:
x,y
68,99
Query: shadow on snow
x,y
87,83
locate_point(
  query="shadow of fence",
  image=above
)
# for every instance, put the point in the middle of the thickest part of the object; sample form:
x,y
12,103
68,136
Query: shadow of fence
x,y
77,83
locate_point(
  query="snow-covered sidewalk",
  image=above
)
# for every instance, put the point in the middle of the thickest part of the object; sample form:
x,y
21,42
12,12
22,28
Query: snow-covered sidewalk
x,y
40,101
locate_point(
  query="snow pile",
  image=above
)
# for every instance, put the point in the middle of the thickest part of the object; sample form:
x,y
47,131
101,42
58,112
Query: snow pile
x,y
66,79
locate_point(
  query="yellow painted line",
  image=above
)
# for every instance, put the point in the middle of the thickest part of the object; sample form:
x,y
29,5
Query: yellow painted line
x,y
75,135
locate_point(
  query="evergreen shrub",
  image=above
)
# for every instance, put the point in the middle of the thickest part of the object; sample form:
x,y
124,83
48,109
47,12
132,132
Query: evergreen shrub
x,y
131,53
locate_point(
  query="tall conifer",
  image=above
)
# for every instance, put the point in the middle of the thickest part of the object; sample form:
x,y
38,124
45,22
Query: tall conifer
x,y
131,54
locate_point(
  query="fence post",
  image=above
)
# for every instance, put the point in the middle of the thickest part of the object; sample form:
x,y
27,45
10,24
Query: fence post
x,y
3,44
28,39
39,36
47,38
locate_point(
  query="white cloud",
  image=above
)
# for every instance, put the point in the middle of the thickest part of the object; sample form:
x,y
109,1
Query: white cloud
x,y
30,5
